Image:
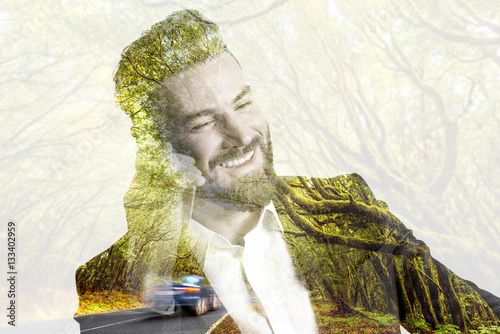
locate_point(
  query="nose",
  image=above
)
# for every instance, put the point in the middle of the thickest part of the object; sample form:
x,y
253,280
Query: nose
x,y
236,132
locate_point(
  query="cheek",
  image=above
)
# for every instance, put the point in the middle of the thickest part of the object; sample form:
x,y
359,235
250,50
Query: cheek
x,y
201,149
259,120
253,120
262,127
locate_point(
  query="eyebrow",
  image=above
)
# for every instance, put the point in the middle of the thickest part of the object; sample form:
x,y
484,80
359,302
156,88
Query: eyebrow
x,y
205,112
247,89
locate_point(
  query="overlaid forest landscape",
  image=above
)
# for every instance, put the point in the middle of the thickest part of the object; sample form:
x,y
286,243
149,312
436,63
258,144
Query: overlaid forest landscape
x,y
359,262
364,132
346,278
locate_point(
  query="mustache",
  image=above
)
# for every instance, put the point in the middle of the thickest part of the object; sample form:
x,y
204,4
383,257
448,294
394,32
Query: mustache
x,y
234,152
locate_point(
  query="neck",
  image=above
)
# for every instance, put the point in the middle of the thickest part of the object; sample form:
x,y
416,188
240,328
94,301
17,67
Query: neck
x,y
231,224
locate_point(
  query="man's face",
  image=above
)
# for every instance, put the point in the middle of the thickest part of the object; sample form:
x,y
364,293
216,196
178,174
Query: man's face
x,y
217,123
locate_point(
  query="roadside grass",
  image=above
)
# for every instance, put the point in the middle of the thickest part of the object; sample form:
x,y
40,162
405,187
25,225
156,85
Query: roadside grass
x,y
228,326
104,301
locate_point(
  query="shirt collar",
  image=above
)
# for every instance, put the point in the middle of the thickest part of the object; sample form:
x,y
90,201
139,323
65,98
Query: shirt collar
x,y
205,237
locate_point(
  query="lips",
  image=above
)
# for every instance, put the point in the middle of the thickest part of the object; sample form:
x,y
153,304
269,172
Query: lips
x,y
235,156
238,162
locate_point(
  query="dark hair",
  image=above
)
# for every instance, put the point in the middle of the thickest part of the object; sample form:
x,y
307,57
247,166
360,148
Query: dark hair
x,y
182,40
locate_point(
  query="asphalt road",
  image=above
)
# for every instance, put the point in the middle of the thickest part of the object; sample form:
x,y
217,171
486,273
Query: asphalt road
x,y
145,321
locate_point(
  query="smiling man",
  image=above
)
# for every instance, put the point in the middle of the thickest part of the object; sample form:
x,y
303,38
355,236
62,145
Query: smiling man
x,y
306,249
217,123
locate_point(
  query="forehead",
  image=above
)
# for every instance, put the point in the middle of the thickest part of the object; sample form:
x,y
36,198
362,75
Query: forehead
x,y
205,85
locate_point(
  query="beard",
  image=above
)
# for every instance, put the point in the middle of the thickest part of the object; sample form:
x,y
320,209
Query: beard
x,y
250,192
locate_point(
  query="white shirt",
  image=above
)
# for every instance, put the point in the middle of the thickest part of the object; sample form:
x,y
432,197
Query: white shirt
x,y
269,271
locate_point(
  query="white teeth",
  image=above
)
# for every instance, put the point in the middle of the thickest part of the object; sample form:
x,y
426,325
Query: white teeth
x,y
238,162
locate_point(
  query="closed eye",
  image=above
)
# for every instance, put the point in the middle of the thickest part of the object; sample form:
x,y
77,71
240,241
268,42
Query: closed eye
x,y
201,126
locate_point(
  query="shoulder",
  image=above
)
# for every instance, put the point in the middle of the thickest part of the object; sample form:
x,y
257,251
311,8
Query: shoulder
x,y
340,187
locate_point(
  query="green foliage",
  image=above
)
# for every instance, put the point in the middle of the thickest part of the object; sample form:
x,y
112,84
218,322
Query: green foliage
x,y
417,324
447,329
486,330
357,323
387,320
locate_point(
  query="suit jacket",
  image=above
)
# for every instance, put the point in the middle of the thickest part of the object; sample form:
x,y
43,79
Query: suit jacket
x,y
359,259
359,262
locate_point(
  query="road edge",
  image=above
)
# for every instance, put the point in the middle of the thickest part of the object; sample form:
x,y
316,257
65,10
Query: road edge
x,y
215,324
108,312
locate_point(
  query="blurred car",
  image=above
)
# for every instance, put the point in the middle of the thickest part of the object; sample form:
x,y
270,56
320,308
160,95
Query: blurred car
x,y
191,292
